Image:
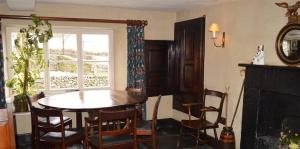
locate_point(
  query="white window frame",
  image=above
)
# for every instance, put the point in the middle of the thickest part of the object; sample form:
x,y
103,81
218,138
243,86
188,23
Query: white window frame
x,y
79,31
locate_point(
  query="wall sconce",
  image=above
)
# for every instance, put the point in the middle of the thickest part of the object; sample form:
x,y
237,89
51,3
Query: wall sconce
x,y
214,28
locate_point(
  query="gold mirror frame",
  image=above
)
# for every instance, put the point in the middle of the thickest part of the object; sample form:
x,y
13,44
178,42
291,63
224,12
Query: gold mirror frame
x,y
279,48
291,55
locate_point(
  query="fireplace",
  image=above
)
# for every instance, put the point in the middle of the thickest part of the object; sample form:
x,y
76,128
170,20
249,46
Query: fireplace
x,y
277,112
271,105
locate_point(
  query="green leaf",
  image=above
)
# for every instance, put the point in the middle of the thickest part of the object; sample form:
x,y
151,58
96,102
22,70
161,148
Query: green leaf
x,y
26,44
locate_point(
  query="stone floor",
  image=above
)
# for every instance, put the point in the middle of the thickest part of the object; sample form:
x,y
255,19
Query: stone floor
x,y
168,132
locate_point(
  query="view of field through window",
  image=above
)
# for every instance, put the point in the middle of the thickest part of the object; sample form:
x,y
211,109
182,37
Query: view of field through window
x,y
63,58
71,55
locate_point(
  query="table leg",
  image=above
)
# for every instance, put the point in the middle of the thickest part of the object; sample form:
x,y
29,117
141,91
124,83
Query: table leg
x,y
92,115
78,120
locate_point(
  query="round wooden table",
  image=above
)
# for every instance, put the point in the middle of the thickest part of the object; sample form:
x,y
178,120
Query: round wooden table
x,y
87,101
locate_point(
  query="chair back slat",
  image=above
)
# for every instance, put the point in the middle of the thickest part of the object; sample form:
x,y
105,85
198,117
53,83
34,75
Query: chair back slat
x,y
48,112
213,93
115,115
135,92
117,132
221,96
48,128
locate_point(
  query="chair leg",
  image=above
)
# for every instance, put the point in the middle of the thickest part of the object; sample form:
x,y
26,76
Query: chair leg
x,y
63,146
86,145
179,138
36,140
33,137
154,141
215,132
83,144
85,140
197,139
36,145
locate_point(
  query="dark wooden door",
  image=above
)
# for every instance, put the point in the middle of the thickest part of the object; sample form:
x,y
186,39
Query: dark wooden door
x,y
189,40
159,63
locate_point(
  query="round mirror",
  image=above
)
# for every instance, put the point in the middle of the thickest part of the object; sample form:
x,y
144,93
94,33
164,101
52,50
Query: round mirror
x,y
288,44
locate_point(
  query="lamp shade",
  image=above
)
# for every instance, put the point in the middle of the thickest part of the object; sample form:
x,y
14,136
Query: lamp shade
x,y
21,5
214,27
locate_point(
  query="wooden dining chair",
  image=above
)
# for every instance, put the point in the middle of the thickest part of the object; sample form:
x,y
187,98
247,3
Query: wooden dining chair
x,y
52,136
202,123
113,137
54,121
134,91
149,128
137,92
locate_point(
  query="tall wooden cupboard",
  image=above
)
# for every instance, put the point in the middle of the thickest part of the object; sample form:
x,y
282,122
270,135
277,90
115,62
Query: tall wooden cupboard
x,y
177,67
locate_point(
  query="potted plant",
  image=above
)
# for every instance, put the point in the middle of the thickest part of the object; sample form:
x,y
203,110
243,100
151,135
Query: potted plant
x,y
289,140
28,60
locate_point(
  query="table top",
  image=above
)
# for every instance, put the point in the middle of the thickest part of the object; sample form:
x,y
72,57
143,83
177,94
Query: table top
x,y
90,100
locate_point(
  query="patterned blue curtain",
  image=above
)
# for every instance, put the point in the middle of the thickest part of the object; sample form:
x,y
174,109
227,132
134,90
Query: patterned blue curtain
x,y
135,59
136,64
2,85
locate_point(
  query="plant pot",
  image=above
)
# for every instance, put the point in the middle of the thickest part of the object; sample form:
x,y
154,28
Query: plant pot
x,y
20,103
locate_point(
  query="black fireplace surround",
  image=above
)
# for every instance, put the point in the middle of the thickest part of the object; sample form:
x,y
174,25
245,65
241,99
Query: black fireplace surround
x,y
271,104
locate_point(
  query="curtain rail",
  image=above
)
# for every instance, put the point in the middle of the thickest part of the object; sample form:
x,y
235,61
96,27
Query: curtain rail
x,y
128,22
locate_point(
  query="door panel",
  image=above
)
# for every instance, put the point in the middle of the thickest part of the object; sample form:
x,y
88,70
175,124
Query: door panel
x,y
159,55
188,76
189,40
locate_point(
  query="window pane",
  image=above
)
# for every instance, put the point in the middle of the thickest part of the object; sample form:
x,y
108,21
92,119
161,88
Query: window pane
x,y
39,85
63,47
63,75
95,47
13,38
96,74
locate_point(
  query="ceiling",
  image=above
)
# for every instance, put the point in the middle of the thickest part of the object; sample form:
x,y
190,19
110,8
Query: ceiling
x,y
164,5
